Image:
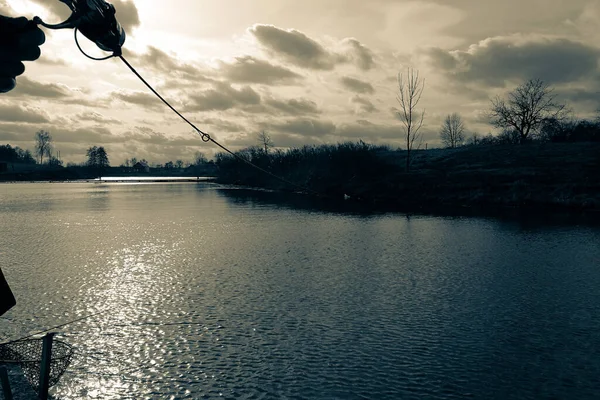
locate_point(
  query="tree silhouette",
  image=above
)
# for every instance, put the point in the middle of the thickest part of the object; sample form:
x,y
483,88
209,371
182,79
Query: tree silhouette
x,y
452,132
97,157
43,144
410,90
526,109
265,141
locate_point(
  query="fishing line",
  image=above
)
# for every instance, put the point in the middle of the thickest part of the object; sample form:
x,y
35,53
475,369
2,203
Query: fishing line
x,y
203,135
207,138
60,326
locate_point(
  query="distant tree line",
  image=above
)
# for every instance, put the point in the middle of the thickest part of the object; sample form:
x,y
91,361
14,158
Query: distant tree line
x,y
307,166
16,155
531,112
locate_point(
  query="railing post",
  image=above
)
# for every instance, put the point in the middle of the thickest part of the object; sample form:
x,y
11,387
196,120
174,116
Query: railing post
x,y
5,384
45,366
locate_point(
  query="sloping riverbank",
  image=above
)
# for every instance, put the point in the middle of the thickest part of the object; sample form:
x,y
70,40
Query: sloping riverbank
x,y
537,175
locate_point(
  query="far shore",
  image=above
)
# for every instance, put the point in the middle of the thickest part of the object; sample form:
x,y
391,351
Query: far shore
x,y
545,177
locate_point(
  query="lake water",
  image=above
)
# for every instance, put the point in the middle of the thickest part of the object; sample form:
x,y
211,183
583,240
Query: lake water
x,y
216,292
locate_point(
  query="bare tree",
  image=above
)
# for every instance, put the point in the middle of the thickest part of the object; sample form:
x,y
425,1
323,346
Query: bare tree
x,y
200,158
410,90
265,141
526,109
43,144
452,132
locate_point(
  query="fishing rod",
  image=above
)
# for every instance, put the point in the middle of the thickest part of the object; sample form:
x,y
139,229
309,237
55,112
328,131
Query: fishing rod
x,y
96,20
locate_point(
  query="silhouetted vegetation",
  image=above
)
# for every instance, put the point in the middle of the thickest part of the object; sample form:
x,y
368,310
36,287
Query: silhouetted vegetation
x,y
526,110
490,173
97,157
43,145
452,132
15,154
410,90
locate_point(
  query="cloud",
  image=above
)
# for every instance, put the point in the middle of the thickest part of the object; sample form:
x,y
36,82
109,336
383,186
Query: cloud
x,y
63,134
127,14
586,99
368,131
22,113
56,8
96,117
495,61
252,70
295,47
363,105
356,85
29,87
167,64
5,9
362,56
221,125
144,99
305,127
223,97
294,106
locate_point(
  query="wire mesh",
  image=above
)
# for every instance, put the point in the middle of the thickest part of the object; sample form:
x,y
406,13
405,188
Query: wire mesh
x,y
27,353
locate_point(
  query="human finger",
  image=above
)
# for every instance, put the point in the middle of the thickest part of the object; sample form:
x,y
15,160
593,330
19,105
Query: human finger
x,y
31,37
12,25
28,53
7,83
11,68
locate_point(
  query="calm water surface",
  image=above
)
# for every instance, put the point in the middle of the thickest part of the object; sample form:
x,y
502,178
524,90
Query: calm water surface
x,y
216,292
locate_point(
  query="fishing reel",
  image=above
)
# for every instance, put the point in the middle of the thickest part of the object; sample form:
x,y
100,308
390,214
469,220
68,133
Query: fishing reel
x,y
96,20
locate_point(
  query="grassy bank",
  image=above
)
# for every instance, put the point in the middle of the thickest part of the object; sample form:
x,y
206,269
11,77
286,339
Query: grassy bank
x,y
539,175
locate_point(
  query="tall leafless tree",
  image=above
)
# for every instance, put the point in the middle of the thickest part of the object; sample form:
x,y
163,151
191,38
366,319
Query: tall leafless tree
x,y
452,131
526,108
43,144
265,141
410,90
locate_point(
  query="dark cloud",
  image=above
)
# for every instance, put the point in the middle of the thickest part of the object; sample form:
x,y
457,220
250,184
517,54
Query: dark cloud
x,y
362,56
356,85
584,99
28,87
22,113
368,131
363,104
93,135
295,47
223,97
127,14
252,70
146,135
166,63
145,99
221,125
305,127
63,134
294,106
299,49
495,61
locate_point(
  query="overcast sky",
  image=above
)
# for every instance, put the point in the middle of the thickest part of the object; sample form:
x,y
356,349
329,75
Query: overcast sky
x,y
306,72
